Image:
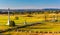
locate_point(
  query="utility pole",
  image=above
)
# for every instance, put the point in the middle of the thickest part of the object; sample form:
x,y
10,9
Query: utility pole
x,y
54,17
46,13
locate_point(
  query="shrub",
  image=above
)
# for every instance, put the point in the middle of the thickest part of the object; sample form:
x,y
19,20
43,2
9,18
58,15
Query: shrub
x,y
12,23
16,18
29,16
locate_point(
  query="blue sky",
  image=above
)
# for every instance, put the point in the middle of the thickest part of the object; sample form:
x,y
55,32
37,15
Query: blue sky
x,y
29,4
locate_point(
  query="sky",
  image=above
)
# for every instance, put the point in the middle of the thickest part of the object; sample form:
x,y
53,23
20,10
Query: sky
x,y
29,4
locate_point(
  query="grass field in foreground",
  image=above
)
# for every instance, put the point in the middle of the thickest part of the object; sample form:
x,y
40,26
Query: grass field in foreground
x,y
35,18
45,27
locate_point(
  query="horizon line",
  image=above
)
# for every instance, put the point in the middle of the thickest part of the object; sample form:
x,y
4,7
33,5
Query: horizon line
x,y
30,8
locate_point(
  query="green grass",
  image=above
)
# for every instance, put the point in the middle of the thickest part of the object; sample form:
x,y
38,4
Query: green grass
x,y
46,26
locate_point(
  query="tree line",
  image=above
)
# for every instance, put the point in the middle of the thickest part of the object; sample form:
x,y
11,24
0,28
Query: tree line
x,y
31,12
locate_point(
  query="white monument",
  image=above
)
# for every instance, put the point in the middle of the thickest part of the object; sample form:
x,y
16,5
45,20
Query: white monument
x,y
25,22
8,17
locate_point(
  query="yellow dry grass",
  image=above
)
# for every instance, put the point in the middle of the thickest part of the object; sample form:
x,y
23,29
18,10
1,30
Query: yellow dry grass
x,y
35,18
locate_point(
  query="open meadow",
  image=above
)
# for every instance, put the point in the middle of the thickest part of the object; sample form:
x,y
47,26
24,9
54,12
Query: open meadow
x,y
46,26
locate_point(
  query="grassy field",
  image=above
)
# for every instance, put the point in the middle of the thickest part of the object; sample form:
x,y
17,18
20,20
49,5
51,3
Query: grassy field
x,y
45,26
22,18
